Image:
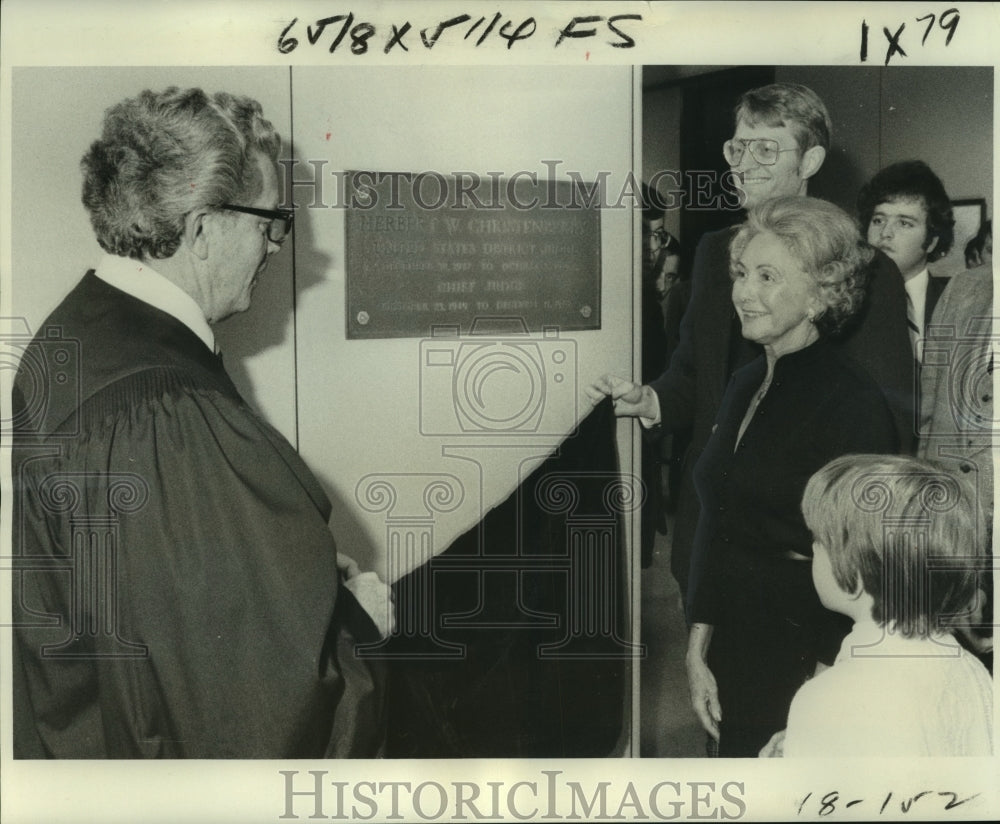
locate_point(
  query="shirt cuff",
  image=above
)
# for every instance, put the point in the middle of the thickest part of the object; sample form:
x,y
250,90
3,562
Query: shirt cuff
x,y
656,420
375,598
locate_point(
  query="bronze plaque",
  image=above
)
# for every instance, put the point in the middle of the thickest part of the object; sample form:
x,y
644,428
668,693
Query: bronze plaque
x,y
427,250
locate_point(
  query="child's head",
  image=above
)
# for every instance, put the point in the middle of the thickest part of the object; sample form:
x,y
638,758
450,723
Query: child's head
x,y
900,530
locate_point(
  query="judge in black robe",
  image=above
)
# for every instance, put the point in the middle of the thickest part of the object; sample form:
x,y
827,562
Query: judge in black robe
x,y
177,591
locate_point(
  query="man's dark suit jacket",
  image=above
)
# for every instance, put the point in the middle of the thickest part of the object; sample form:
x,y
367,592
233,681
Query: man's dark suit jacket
x,y
711,348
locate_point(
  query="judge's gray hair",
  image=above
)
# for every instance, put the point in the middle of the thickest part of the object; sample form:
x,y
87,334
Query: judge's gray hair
x,y
161,156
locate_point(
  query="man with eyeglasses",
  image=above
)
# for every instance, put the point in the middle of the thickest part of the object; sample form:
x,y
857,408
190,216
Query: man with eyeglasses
x,y
781,138
178,593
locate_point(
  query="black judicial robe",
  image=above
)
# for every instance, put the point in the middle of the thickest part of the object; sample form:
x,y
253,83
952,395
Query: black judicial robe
x,y
176,592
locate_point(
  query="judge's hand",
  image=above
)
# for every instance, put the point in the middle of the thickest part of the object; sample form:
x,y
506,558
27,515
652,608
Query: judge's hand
x,y
630,399
371,592
704,695
348,566
775,748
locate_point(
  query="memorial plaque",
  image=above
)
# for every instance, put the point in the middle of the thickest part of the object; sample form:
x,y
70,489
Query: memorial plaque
x,y
427,250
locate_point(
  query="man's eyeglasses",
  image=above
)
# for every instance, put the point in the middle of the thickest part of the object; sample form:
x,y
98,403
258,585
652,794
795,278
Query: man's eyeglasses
x,y
762,149
281,220
661,235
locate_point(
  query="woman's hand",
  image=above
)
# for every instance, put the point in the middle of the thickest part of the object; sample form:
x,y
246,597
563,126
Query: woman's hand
x,y
701,682
630,399
775,748
704,696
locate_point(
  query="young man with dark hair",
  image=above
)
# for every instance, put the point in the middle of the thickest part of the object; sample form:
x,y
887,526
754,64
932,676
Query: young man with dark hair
x,y
907,214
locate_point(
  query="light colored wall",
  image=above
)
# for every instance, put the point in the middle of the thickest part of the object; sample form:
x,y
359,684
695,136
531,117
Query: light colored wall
x,y
852,96
359,400
352,407
943,116
946,119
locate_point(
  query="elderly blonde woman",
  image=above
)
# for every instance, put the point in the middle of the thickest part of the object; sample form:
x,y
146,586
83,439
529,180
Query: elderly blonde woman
x,y
757,628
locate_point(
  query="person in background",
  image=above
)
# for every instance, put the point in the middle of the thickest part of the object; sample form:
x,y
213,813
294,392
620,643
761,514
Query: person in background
x,y
661,250
781,137
901,684
906,213
178,592
665,291
659,267
676,296
674,443
956,414
979,250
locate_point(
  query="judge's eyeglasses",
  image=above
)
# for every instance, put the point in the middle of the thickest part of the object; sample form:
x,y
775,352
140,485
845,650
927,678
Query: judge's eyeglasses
x,y
281,219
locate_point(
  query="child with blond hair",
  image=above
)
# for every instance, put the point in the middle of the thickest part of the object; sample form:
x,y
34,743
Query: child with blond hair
x,y
898,546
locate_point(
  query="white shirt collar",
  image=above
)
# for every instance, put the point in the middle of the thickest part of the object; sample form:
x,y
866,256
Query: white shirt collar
x,y
869,640
916,288
146,284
